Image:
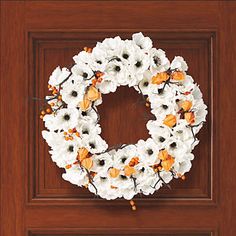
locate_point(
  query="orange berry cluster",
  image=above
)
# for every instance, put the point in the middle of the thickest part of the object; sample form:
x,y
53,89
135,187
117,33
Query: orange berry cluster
x,y
69,135
43,113
87,49
98,78
133,207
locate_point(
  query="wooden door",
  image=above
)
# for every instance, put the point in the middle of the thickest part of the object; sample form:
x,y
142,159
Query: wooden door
x,y
36,36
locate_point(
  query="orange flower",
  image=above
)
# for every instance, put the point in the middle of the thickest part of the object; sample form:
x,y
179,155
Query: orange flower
x,y
129,170
189,117
170,120
163,155
160,78
85,104
87,163
186,105
93,94
82,154
114,172
178,75
168,163
166,160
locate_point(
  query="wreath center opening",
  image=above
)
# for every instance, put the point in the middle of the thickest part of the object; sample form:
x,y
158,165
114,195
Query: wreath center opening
x,y
123,117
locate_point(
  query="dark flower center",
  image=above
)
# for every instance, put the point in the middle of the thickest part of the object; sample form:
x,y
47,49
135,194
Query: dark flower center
x,y
103,178
84,113
173,145
117,68
85,131
85,75
149,152
125,56
101,162
145,84
161,139
71,148
123,177
164,106
143,169
92,145
74,93
138,64
157,60
99,62
160,91
123,159
66,117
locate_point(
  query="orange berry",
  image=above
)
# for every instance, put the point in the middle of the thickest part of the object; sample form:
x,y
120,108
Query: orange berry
x,y
70,131
41,117
67,138
131,202
183,177
52,104
43,112
147,104
77,134
59,97
48,110
134,208
68,166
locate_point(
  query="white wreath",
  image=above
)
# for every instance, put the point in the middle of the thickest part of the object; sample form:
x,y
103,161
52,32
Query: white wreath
x,y
74,132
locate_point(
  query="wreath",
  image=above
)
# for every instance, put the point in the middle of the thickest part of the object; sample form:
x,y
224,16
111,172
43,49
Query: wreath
x,y
72,121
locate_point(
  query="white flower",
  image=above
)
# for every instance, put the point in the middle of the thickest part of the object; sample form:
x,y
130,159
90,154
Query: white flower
x,y
107,85
148,151
176,148
140,64
88,128
65,153
90,115
159,61
58,75
102,162
83,57
159,133
76,176
50,122
95,144
179,63
182,167
117,72
67,118
112,46
83,71
162,107
143,42
72,94
100,60
123,156
144,84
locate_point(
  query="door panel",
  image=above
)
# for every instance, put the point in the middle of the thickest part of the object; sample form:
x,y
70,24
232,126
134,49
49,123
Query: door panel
x,y
53,49
36,36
